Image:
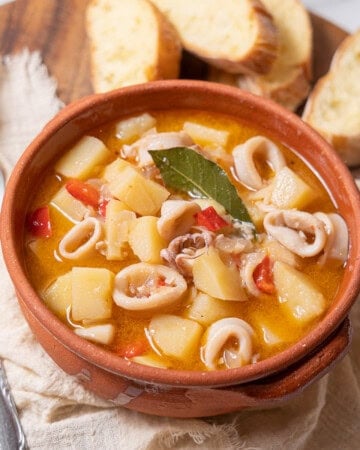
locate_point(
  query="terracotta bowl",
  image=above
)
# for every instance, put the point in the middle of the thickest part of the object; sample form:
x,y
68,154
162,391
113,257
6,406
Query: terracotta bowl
x,y
170,392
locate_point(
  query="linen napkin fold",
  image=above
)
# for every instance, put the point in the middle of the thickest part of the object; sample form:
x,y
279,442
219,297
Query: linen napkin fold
x,y
58,413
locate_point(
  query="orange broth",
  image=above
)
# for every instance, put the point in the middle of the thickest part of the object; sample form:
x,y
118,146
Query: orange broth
x,y
45,265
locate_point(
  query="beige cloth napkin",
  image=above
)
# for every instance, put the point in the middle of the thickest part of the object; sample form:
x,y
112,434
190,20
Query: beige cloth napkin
x,y
56,411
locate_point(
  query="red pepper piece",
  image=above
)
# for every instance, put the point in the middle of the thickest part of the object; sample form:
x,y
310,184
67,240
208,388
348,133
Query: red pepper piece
x,y
263,276
161,281
102,208
210,219
134,349
38,222
84,192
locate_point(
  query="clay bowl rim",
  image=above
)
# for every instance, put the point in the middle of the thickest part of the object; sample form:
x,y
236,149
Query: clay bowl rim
x,y
105,359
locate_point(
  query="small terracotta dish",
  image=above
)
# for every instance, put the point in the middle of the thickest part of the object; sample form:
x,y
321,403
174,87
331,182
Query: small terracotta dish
x,y
163,391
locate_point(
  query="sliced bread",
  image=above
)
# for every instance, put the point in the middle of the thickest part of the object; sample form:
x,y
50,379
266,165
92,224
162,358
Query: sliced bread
x,y
130,42
288,81
238,36
333,107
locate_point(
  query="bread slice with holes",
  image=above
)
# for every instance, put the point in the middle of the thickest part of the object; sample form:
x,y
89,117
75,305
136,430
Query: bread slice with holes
x,y
130,42
235,35
333,107
289,80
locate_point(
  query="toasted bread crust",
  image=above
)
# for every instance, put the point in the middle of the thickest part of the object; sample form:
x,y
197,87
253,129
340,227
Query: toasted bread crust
x,y
333,107
260,58
169,46
257,57
289,94
289,80
113,64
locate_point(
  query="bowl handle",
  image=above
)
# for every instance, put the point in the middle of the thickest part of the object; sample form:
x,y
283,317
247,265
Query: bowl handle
x,y
268,392
282,386
172,401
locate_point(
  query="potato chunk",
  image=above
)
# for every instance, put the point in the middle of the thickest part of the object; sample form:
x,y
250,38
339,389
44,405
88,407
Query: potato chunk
x,y
128,129
216,279
91,293
150,360
278,252
118,223
83,158
270,336
113,171
175,336
206,135
271,328
57,296
143,196
145,240
290,191
68,205
206,309
101,334
297,293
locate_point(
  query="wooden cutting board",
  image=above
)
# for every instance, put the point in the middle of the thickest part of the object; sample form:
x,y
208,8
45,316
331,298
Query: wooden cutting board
x,y
57,29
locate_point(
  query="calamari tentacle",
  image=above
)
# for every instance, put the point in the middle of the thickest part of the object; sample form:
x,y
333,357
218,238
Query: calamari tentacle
x,y
183,250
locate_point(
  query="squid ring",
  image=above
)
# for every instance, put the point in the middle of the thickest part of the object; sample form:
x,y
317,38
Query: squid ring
x,y
81,239
218,334
244,160
177,217
337,237
144,287
292,228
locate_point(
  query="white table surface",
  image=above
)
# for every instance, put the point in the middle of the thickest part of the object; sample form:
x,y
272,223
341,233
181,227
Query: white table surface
x,y
344,13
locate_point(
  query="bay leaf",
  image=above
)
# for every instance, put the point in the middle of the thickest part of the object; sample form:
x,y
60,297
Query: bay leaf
x,y
188,171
